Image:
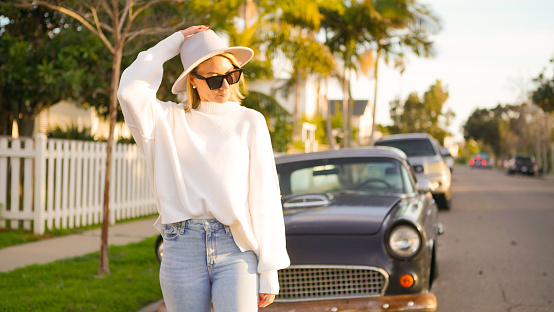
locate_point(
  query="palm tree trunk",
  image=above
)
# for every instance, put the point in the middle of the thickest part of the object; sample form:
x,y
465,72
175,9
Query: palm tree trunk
x,y
372,137
345,134
296,114
328,124
350,111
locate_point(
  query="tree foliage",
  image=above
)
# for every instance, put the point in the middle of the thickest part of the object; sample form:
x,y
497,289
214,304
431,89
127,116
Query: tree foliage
x,y
278,119
288,29
360,33
543,96
65,63
397,26
426,114
505,130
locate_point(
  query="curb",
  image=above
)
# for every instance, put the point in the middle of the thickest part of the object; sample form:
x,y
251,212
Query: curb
x,y
158,306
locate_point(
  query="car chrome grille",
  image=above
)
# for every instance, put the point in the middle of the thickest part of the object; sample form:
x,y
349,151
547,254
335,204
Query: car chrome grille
x,y
309,283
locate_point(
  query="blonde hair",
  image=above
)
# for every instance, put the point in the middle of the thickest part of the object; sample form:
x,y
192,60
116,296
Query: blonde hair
x,y
238,90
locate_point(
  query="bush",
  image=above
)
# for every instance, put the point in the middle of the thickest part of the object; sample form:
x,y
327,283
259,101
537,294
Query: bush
x,y
72,132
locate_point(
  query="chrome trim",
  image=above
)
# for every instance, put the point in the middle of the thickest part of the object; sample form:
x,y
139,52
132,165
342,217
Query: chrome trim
x,y
340,267
440,229
312,200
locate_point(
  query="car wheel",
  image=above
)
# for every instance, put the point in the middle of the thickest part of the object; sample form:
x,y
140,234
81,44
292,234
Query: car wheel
x,y
159,247
434,274
444,202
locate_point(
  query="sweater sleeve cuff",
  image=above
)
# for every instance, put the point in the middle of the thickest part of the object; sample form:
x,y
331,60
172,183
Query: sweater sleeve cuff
x,y
269,283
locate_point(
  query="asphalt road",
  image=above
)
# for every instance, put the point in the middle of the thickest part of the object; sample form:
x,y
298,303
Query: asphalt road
x,y
497,253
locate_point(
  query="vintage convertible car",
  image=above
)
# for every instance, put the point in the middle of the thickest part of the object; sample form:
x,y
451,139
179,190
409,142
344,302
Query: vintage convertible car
x,y
361,233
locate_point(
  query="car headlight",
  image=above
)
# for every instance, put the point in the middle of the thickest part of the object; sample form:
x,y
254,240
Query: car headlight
x,y
404,241
438,167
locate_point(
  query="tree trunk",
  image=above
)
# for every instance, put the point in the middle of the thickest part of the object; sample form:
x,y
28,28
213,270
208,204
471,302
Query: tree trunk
x,y
25,126
6,124
546,140
372,137
103,263
297,128
328,124
550,139
350,111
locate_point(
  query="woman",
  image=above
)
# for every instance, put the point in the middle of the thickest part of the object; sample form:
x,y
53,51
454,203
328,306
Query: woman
x,y
213,175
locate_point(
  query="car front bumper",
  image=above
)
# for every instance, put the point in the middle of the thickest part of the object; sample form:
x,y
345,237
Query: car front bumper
x,y
443,182
421,303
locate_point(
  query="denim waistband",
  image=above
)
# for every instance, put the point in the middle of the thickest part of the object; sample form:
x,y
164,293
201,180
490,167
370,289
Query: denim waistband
x,y
198,224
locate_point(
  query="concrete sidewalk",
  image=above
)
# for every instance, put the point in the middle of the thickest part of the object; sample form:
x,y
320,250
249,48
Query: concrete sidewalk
x,y
73,245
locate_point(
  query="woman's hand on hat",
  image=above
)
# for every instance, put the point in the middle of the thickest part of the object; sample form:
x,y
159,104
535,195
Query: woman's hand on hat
x,y
193,30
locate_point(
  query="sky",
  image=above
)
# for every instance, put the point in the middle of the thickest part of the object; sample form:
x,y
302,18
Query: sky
x,y
487,53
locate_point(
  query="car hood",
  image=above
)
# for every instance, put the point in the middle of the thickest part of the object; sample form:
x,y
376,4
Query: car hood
x,y
345,214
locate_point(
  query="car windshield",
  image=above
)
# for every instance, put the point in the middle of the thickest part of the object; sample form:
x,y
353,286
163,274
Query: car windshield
x,y
482,155
411,147
523,159
353,175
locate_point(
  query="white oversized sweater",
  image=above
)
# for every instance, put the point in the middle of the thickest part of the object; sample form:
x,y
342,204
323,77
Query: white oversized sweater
x,y
215,160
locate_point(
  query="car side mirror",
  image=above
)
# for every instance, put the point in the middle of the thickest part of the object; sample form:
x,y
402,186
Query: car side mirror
x,y
423,185
445,152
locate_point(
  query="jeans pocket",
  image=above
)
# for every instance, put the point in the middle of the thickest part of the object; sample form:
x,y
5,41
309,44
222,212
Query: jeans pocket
x,y
171,231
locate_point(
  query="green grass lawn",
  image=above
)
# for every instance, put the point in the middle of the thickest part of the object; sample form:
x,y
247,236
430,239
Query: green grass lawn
x,y
72,284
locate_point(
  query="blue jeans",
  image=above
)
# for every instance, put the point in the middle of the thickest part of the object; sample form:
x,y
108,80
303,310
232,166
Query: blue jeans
x,y
202,266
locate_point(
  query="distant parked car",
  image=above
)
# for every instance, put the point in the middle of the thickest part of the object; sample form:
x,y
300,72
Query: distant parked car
x,y
481,160
524,164
448,159
424,155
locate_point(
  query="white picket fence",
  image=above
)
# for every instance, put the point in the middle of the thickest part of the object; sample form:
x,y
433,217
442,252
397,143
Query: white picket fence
x,y
50,183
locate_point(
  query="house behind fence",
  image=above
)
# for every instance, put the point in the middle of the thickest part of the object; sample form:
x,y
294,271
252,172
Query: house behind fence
x,y
51,183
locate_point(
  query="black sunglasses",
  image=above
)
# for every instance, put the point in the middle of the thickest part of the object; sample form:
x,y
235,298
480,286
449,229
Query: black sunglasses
x,y
215,82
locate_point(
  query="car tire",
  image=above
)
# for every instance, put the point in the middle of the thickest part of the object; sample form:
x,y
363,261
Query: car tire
x,y
159,245
434,274
444,202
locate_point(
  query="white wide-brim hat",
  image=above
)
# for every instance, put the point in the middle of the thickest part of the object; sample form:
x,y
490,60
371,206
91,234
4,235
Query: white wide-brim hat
x,y
200,47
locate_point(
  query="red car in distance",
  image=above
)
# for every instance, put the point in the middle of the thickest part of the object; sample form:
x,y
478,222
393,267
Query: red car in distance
x,y
480,160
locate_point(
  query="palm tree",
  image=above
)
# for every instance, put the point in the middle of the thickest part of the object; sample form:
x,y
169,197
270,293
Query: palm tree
x,y
347,38
396,25
286,28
